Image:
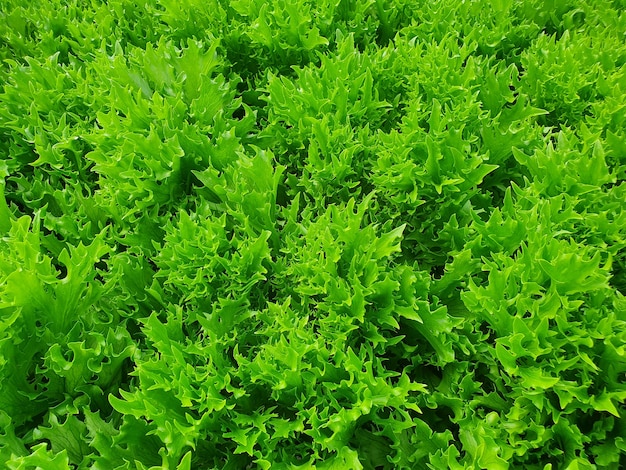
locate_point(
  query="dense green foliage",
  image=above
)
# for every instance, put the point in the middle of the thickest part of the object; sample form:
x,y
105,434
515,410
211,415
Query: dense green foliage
x,y
345,234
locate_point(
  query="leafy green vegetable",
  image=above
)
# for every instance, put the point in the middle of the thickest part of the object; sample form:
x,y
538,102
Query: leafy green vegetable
x,y
347,234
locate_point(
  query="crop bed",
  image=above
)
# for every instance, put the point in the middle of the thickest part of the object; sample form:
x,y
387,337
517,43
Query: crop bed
x,y
287,234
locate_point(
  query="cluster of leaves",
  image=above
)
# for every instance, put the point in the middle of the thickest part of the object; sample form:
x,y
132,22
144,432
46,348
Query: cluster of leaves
x,y
347,234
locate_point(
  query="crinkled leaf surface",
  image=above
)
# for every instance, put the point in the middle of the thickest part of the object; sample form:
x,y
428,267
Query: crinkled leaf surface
x,y
326,235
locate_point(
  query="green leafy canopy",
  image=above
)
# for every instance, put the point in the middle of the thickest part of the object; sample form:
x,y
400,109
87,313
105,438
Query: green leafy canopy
x,y
286,234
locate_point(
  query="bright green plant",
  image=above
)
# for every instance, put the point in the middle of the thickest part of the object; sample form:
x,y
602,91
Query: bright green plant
x,y
347,234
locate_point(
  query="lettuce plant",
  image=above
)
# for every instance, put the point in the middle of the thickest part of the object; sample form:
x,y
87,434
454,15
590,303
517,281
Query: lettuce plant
x,y
347,234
